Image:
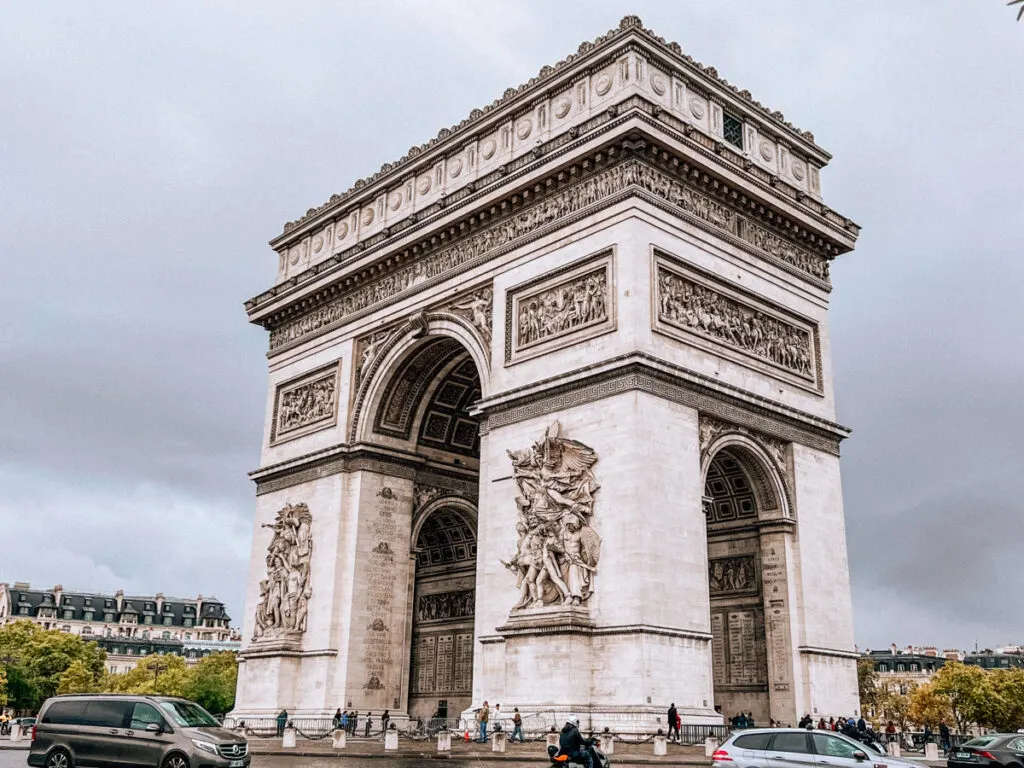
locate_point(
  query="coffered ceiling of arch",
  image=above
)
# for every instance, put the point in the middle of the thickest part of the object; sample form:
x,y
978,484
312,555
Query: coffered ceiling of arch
x,y
446,424
445,539
729,498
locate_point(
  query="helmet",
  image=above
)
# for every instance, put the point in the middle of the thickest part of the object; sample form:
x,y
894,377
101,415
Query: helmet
x,y
573,720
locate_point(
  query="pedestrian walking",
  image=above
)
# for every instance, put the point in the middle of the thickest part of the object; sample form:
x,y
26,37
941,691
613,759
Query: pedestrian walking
x,y
337,719
344,721
517,725
944,739
672,727
282,721
369,723
482,716
353,723
384,720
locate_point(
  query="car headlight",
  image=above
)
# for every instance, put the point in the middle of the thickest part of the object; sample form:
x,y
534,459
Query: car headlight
x,y
205,746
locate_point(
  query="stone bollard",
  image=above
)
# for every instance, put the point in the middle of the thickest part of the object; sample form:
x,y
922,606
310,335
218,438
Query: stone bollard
x,y
498,741
15,733
552,740
444,741
660,746
893,749
391,740
931,751
288,740
710,746
606,743
340,737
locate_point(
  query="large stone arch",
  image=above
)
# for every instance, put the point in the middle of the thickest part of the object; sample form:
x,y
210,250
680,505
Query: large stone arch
x,y
765,461
376,370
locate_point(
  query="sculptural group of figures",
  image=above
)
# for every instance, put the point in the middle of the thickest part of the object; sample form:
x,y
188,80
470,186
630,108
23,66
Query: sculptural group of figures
x,y
557,555
305,404
285,593
701,309
734,574
563,308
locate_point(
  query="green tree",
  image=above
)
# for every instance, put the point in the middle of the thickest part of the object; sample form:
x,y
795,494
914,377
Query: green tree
x,y
1004,710
894,706
867,685
154,675
78,678
3,687
212,682
928,707
35,659
967,689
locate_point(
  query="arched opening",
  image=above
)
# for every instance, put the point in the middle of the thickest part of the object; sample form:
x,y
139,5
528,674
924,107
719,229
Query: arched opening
x,y
423,407
736,500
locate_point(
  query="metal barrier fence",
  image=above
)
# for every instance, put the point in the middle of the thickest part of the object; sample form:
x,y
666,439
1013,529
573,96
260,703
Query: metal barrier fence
x,y
536,726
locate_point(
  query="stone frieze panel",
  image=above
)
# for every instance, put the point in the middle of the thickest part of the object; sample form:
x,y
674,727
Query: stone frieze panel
x,y
557,209
305,404
563,308
446,606
694,307
733,576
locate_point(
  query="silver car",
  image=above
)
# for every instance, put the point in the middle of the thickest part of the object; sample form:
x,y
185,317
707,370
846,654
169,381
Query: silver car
x,y
799,748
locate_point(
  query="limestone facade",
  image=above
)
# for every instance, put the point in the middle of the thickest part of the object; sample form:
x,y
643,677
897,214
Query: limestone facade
x,y
555,390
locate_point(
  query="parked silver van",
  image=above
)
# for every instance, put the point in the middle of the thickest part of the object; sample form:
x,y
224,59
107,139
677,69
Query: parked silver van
x,y
127,730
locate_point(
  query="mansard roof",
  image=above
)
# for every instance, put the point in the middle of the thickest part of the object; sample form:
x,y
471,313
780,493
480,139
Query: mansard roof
x,y
98,604
704,80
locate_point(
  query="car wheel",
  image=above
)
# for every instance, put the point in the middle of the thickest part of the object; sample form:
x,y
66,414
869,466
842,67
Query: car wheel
x,y
175,761
59,759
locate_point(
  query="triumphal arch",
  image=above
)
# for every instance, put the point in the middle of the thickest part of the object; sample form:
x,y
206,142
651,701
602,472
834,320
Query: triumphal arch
x,y
551,420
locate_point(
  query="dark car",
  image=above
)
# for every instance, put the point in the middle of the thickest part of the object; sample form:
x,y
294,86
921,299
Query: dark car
x,y
123,730
993,751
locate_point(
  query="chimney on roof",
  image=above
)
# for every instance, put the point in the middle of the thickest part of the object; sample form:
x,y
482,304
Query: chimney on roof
x,y
120,599
159,602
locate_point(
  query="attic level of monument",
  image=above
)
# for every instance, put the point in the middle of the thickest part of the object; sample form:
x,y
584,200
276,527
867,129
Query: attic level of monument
x,y
666,61
377,273
577,102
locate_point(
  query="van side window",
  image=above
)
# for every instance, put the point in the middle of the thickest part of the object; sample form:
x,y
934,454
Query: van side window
x,y
144,714
65,713
107,713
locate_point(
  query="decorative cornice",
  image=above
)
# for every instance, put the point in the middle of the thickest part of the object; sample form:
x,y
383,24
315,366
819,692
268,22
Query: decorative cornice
x,y
701,175
638,371
566,196
833,652
702,79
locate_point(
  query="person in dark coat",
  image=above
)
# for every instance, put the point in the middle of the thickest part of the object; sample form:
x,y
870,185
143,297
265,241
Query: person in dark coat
x,y
572,744
337,719
384,720
944,736
673,714
282,721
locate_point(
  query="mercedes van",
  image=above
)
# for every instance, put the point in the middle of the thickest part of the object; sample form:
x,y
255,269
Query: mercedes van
x,y
128,730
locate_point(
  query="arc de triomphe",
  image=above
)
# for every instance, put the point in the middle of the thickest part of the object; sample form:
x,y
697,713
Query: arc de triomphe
x,y
551,420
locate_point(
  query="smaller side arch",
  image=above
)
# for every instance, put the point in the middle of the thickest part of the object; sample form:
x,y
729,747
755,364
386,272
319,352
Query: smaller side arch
x,y
466,509
770,488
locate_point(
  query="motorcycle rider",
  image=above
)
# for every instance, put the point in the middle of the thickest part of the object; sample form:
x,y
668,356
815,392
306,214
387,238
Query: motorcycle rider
x,y
572,744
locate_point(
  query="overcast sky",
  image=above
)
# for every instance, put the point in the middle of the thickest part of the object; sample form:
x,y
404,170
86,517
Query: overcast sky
x,y
149,151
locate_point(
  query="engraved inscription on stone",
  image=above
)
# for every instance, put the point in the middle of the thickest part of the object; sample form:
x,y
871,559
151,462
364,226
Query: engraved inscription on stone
x,y
743,666
445,663
718,646
464,661
306,404
690,306
732,576
379,580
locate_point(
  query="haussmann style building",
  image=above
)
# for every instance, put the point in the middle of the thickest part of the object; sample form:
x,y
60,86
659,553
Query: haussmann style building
x,y
550,418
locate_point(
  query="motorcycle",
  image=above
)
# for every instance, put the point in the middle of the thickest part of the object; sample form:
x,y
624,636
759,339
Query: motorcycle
x,y
600,758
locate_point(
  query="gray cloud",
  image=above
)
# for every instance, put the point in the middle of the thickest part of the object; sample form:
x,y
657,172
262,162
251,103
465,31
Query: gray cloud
x,y
146,158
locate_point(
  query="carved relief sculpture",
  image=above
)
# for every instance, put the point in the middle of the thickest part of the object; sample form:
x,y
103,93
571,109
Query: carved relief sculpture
x,y
558,551
699,309
478,308
306,404
284,594
447,605
563,308
732,576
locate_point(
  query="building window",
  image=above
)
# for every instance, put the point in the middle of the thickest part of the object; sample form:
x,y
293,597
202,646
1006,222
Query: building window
x,y
86,630
913,667
900,668
732,130
167,635
69,614
188,622
23,610
66,628
88,601
108,617
148,620
883,667
168,620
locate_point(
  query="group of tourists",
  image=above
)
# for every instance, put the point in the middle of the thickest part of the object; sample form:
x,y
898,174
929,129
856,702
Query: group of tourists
x,y
349,722
484,716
